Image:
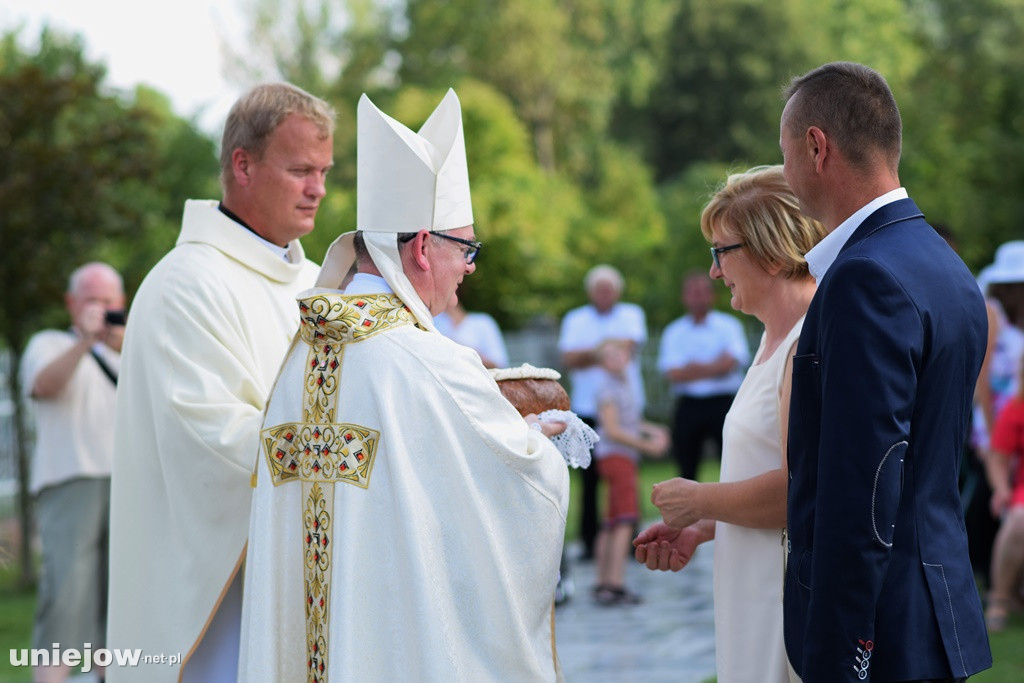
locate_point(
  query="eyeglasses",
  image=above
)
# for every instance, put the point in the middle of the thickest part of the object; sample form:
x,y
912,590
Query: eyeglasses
x,y
472,249
716,252
470,252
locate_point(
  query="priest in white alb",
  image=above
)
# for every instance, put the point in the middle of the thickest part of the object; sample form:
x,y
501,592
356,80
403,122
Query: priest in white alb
x,y
207,332
407,522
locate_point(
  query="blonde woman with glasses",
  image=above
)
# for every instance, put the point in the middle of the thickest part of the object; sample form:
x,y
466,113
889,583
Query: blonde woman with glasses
x,y
758,240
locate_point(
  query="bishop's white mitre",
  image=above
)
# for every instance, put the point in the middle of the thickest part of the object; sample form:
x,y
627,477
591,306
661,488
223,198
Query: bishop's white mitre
x,y
412,181
406,181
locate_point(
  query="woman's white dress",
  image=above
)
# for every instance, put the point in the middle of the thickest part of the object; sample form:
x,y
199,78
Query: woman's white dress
x,y
748,563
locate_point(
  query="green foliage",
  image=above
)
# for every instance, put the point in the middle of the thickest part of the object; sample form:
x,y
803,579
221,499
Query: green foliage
x,y
964,131
682,199
74,160
523,215
17,607
718,96
597,129
84,174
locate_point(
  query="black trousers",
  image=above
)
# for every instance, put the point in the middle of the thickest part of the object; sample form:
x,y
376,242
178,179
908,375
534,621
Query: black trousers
x,y
982,527
696,420
590,525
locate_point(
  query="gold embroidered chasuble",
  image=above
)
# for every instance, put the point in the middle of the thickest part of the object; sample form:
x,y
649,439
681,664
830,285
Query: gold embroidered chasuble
x,y
320,452
406,521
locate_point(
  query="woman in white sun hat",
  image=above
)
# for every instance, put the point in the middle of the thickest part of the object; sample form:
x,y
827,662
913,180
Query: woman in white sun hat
x,y
1000,391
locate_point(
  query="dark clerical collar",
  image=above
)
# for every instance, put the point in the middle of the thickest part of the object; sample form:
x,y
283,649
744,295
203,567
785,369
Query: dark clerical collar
x,y
283,252
234,216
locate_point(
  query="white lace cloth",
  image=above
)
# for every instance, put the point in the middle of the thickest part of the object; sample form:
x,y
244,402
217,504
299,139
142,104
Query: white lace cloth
x,y
576,441
578,438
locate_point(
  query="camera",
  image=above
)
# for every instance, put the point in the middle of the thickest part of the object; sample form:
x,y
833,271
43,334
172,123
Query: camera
x,y
114,318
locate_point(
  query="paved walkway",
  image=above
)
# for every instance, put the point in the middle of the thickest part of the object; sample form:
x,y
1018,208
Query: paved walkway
x,y
668,638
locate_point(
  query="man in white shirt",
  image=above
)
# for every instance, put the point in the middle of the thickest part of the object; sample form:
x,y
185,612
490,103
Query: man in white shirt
x,y
879,585
583,330
703,355
71,376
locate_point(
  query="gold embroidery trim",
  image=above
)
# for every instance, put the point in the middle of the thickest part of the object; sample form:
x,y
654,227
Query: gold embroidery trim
x,y
326,453
316,520
320,452
346,319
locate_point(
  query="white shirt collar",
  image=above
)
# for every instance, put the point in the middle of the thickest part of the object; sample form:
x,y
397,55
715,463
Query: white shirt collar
x,y
821,257
280,251
366,283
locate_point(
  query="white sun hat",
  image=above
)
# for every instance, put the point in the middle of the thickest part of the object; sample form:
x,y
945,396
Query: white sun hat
x,y
1007,267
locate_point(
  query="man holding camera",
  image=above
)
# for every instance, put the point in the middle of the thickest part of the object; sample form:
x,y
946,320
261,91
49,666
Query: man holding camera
x,y
71,375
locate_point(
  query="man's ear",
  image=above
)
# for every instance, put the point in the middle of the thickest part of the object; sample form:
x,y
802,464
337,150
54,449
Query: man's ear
x,y
817,147
418,247
241,165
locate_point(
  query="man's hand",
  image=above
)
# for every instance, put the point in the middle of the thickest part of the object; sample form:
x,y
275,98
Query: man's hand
x,y
656,438
676,499
1000,499
663,548
548,429
90,322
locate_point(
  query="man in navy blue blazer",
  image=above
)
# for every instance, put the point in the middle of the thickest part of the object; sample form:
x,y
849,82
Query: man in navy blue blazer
x,y
878,583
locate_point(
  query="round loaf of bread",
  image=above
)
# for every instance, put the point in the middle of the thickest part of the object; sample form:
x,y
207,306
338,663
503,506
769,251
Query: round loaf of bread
x,y
531,389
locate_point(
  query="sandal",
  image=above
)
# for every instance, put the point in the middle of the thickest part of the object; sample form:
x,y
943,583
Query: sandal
x,y
626,596
608,596
996,614
605,596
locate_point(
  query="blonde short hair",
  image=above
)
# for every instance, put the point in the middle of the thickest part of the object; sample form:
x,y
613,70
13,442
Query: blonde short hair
x,y
762,210
258,113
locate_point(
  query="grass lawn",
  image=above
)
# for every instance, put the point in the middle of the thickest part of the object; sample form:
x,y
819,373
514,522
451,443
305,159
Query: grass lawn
x,y
17,606
16,609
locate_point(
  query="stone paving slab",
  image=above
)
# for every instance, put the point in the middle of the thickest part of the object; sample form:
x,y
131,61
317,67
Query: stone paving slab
x,y
670,637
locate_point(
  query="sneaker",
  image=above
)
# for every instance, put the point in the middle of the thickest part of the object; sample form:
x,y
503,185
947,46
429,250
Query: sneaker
x,y
563,591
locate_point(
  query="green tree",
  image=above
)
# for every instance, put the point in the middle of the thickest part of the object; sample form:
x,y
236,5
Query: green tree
x,y
522,214
718,98
963,128
336,50
518,47
79,167
563,66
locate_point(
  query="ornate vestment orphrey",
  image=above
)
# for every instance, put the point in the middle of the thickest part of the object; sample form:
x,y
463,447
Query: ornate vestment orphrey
x,y
320,452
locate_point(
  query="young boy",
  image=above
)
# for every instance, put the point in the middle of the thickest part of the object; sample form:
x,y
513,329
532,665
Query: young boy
x,y
624,435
